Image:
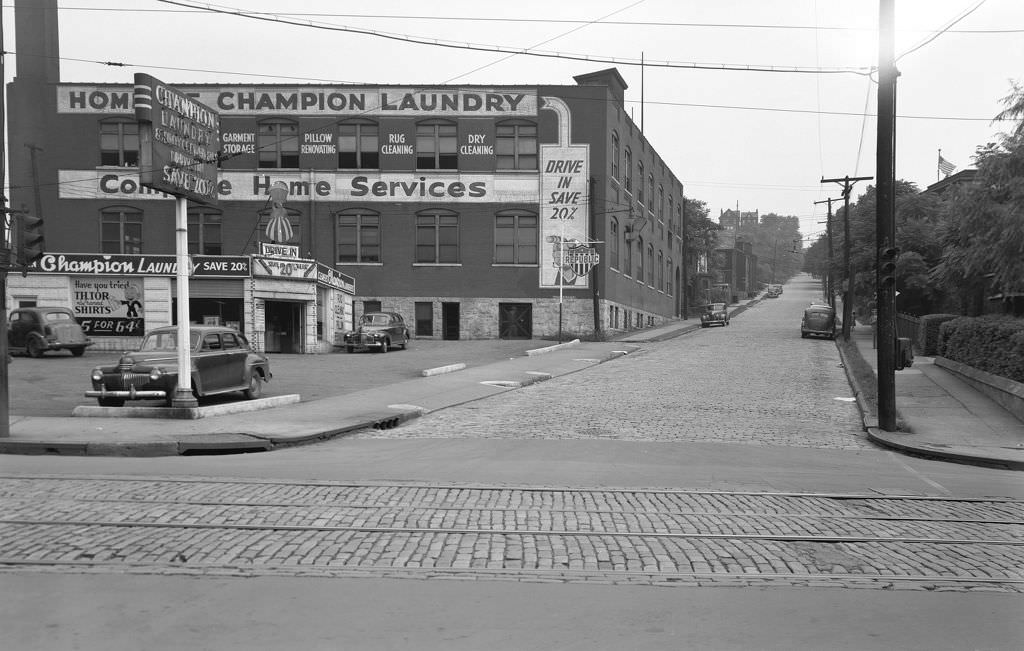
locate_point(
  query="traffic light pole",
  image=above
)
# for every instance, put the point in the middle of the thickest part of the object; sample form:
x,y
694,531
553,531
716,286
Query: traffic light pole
x,y
885,222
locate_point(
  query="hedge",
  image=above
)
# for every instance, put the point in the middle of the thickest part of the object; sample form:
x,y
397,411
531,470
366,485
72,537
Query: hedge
x,y
994,344
928,333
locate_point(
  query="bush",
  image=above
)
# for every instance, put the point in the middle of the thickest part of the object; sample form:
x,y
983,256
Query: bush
x,y
928,332
994,344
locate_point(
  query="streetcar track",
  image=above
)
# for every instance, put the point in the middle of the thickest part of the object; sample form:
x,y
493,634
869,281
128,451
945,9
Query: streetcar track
x,y
513,532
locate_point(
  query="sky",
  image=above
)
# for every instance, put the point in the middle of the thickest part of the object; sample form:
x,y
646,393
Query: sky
x,y
747,139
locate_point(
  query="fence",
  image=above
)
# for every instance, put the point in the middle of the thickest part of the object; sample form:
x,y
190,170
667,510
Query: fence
x,y
908,325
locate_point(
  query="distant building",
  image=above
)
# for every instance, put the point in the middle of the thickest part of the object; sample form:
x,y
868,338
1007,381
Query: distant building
x,y
734,219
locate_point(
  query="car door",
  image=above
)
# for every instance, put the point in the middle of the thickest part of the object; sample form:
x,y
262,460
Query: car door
x,y
207,360
233,358
20,327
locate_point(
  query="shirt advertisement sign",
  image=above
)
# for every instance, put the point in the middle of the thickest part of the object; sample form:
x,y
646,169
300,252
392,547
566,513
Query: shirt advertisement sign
x,y
178,141
108,307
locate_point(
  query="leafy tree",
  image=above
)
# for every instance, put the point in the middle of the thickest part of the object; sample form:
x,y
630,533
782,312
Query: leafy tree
x,y
983,235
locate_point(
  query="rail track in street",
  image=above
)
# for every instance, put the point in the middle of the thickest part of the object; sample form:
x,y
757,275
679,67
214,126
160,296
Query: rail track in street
x,y
527,533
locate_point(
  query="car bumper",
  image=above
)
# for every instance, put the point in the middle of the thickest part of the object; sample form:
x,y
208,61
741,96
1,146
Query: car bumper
x,y
130,394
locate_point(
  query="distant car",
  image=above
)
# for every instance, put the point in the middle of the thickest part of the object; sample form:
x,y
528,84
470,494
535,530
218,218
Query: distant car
x,y
715,314
222,361
818,320
773,293
35,330
380,331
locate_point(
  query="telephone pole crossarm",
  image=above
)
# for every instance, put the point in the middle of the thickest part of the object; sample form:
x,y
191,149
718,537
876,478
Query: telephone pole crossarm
x,y
847,183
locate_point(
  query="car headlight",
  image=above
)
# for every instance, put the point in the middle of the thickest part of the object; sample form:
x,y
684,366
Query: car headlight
x,y
156,374
97,375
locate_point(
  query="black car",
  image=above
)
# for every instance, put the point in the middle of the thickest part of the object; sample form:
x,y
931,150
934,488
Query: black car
x,y
35,330
715,314
222,362
380,331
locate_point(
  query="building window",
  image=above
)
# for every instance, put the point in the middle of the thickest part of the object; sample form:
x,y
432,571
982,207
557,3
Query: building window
x,y
627,263
204,232
627,163
640,181
516,146
640,261
436,146
650,264
119,143
437,237
668,277
613,244
358,146
515,237
671,213
615,155
277,144
661,272
358,236
650,187
121,231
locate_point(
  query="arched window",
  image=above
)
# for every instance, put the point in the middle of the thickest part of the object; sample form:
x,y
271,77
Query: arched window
x,y
204,226
120,230
628,166
615,154
277,144
650,265
640,181
516,145
640,260
119,142
437,237
668,277
661,271
516,236
358,145
627,263
613,244
437,145
357,234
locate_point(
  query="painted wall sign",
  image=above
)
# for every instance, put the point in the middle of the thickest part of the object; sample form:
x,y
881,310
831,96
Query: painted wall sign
x,y
284,268
109,307
333,278
316,100
564,203
178,141
206,266
322,186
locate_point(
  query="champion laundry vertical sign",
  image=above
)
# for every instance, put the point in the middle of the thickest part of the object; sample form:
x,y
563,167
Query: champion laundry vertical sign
x,y
178,141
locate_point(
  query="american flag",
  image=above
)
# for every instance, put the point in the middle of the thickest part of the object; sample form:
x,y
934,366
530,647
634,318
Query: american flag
x,y
945,166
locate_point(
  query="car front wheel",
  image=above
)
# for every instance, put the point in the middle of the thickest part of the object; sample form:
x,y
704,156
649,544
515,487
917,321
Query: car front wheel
x,y
384,346
77,352
255,389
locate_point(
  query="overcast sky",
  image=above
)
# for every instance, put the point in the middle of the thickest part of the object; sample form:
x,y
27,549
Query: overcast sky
x,y
757,140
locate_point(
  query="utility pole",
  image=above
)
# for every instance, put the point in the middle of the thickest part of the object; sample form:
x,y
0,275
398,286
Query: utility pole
x,y
828,274
847,286
5,257
885,222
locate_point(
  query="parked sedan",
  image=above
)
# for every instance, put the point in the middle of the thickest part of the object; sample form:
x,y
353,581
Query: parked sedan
x,y
222,361
715,314
35,330
378,331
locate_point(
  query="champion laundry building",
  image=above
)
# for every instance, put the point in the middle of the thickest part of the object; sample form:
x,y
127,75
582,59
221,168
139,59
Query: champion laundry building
x,y
475,212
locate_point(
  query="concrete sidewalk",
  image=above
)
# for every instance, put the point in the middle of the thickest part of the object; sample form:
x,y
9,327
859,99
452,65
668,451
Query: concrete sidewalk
x,y
944,417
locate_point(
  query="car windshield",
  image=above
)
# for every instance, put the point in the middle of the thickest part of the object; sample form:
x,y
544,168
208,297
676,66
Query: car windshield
x,y
165,341
374,319
716,307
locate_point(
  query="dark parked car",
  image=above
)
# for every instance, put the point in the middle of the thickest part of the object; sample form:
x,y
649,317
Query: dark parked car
x,y
35,330
818,320
222,361
715,314
378,330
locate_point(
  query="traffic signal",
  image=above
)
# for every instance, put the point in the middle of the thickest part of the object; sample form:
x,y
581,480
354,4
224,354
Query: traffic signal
x,y
887,266
30,242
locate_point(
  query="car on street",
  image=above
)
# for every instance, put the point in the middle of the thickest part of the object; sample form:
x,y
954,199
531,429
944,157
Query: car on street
x,y
33,331
715,314
222,362
380,331
818,320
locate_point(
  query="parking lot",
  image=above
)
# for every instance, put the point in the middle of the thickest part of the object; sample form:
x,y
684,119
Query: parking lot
x,y
54,384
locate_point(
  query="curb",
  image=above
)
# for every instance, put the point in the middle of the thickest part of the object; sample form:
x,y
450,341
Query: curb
x,y
882,438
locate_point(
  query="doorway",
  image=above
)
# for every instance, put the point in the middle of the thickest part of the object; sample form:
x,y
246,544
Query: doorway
x,y
283,327
450,321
